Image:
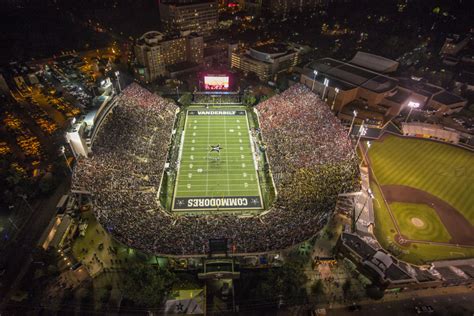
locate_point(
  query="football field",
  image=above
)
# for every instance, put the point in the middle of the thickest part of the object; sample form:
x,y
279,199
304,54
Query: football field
x,y
216,168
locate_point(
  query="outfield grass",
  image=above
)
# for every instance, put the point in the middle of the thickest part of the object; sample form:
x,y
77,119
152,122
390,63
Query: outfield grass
x,y
439,169
418,253
432,228
442,170
204,176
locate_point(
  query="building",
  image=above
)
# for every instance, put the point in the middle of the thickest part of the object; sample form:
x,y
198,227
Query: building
x,y
454,44
341,83
3,85
390,273
195,16
280,7
430,96
155,52
266,61
359,84
374,62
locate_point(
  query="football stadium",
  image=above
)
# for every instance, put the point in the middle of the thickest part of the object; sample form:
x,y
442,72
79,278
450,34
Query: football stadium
x,y
167,179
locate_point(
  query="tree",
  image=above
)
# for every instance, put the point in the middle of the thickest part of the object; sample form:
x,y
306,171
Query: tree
x,y
147,285
346,287
317,288
286,282
186,98
374,292
46,183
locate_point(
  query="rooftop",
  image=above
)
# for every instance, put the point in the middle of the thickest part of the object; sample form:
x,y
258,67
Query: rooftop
x,y
351,74
419,87
447,98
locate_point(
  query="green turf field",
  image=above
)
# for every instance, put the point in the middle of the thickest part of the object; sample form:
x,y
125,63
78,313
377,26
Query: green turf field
x,y
419,222
442,170
225,180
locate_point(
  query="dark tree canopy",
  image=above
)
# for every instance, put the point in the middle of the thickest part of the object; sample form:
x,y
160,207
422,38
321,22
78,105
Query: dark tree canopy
x,y
147,285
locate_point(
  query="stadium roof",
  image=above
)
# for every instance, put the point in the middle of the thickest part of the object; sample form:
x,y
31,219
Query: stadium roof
x,y
374,62
419,87
447,98
351,75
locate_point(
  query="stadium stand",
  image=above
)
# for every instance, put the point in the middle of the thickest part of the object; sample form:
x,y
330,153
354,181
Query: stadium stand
x,y
312,159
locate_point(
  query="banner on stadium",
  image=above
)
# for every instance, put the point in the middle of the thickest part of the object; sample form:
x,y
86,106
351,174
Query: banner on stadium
x,y
215,112
214,203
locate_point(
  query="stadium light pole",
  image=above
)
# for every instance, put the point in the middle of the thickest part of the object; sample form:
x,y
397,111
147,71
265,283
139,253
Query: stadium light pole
x,y
412,105
365,153
362,132
315,72
62,150
352,123
326,84
336,91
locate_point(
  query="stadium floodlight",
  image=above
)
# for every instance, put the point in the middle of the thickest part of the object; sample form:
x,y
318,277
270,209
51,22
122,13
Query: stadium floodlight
x,y
352,123
315,72
362,132
336,91
412,105
326,84
366,151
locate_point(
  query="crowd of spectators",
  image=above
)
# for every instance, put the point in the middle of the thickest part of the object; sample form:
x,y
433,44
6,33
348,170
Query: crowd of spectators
x,y
310,156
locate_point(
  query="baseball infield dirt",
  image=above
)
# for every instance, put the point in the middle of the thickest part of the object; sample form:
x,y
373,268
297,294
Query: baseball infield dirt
x,y
461,231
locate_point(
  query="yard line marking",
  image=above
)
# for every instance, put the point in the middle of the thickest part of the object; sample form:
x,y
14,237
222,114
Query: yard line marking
x,y
207,162
226,160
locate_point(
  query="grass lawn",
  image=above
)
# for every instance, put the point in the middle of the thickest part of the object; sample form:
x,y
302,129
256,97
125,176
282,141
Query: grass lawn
x,y
419,222
211,180
442,170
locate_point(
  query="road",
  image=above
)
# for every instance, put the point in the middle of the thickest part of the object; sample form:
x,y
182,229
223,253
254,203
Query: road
x,y
447,304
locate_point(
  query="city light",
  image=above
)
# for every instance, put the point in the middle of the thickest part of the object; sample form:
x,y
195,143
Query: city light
x,y
412,105
352,123
315,72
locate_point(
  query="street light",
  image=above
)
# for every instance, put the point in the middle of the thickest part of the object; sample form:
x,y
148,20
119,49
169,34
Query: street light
x,y
336,91
62,150
315,72
362,132
352,123
412,105
326,84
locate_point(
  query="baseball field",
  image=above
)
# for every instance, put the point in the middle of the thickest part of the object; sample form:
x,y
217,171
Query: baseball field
x,y
424,198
